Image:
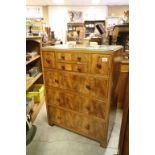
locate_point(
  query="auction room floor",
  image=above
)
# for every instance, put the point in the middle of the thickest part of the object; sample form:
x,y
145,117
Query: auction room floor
x,y
58,141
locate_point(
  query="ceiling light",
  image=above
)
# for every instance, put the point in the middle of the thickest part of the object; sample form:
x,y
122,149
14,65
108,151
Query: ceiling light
x,y
58,1
95,1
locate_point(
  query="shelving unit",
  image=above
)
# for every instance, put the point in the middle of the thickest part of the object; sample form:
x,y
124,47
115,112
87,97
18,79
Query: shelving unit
x,y
33,43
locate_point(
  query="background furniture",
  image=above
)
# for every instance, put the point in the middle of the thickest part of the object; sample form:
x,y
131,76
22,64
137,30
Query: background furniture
x,y
33,45
80,88
124,134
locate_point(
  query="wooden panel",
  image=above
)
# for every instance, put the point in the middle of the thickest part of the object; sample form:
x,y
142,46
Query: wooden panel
x,y
57,115
100,89
64,56
72,101
54,97
80,68
100,64
63,66
53,79
81,58
48,60
93,107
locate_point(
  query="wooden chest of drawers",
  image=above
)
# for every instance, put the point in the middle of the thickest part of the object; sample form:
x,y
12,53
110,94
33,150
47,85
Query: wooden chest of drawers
x,y
79,90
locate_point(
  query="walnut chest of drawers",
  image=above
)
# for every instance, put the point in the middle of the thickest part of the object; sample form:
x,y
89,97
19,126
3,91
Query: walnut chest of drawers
x,y
80,86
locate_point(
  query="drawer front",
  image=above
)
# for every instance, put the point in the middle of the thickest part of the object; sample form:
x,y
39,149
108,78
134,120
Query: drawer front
x,y
64,66
57,115
80,58
54,97
63,56
53,79
93,107
72,57
101,64
48,59
80,68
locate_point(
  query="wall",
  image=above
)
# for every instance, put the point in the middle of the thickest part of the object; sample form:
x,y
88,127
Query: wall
x,y
58,17
117,10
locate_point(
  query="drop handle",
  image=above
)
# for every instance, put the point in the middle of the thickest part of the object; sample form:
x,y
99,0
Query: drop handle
x,y
57,81
88,87
63,57
79,59
48,61
88,127
98,66
63,67
88,108
58,99
79,69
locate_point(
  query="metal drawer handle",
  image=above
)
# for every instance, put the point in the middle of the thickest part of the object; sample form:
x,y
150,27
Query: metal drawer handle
x,y
63,67
98,66
57,81
88,87
79,58
48,61
58,99
88,127
63,57
79,69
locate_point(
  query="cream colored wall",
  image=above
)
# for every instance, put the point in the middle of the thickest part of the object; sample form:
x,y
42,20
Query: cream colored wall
x,y
45,14
117,10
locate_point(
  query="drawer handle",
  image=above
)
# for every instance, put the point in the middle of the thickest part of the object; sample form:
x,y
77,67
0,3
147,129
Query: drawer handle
x,y
79,69
88,108
63,57
63,67
88,87
59,117
88,127
58,99
57,81
98,66
79,59
48,61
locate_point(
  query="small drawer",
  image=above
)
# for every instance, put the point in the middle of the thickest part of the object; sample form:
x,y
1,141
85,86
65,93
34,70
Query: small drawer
x,y
48,59
64,57
80,68
63,66
80,58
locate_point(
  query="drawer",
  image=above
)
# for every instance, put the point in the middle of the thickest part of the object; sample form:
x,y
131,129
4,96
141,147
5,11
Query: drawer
x,y
54,97
93,107
80,68
57,115
72,57
80,58
48,59
63,57
53,79
64,66
101,64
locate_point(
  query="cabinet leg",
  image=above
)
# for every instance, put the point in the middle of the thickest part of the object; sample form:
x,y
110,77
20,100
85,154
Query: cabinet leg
x,y
103,144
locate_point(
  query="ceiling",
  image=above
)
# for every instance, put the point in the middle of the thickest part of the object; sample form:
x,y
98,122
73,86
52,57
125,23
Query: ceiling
x,y
78,2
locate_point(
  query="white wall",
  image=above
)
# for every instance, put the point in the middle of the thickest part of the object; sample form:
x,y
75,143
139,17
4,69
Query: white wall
x,y
58,17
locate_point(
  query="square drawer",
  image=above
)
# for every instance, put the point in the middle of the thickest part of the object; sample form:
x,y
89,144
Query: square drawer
x,y
80,58
80,68
62,57
48,59
101,64
64,66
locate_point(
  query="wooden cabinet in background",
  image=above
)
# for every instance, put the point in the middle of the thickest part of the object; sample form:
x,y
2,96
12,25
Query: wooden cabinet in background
x,y
79,94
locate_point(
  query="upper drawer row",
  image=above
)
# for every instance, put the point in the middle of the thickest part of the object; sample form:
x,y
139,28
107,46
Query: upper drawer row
x,y
98,63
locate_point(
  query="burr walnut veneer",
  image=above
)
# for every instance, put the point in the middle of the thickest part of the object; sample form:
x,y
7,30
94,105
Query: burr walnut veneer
x,y
80,84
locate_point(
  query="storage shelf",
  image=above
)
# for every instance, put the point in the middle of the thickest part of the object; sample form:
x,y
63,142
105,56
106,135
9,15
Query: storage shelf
x,y
33,59
29,84
37,108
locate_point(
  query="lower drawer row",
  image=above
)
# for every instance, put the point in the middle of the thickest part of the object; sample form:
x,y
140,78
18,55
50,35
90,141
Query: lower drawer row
x,y
93,127
75,102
